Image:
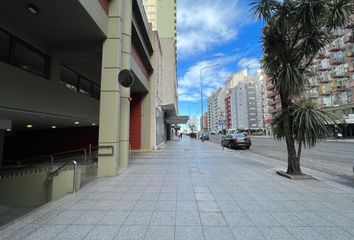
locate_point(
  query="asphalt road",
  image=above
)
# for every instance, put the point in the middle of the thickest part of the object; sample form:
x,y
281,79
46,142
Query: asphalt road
x,y
329,157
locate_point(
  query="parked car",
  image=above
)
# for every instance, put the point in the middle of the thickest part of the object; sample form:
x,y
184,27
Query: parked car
x,y
205,135
236,140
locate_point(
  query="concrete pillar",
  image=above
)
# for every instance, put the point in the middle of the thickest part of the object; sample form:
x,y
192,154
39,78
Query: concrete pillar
x,y
125,92
110,103
2,140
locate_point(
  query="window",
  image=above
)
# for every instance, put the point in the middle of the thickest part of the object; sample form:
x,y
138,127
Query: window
x,y
4,46
29,60
69,78
85,86
75,81
22,55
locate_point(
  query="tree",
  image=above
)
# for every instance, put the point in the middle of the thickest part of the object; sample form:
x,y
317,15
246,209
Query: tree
x,y
294,32
309,124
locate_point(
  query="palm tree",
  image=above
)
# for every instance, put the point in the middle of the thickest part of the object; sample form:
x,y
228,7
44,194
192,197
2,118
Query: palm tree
x,y
309,124
295,31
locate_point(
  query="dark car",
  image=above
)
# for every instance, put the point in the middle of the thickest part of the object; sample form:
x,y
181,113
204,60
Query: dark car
x,y
236,140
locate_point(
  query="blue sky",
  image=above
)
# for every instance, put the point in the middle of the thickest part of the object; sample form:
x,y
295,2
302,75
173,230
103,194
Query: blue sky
x,y
213,32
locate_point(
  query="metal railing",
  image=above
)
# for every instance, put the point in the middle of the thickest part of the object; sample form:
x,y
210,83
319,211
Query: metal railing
x,y
59,169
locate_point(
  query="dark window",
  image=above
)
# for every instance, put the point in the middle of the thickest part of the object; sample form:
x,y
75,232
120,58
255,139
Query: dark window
x,y
85,86
4,46
69,78
96,91
29,60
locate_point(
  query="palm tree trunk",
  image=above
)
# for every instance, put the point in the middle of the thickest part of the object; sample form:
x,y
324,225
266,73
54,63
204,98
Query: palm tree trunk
x,y
299,152
293,161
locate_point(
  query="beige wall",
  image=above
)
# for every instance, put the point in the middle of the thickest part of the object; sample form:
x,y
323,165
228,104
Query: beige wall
x,y
94,8
169,74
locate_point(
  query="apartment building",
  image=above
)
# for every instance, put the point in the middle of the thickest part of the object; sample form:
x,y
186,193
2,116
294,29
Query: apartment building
x,y
204,125
213,112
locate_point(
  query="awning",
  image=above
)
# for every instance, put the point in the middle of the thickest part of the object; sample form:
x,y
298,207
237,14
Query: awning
x,y
172,117
177,119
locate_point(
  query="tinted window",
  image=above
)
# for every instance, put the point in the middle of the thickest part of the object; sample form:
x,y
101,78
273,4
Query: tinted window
x,y
85,86
69,78
96,91
4,46
29,60
238,135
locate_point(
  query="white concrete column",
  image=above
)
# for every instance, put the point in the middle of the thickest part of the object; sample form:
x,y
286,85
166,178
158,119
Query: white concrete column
x,y
110,91
2,140
125,92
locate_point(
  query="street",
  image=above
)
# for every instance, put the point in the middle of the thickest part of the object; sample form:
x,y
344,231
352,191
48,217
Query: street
x,y
329,157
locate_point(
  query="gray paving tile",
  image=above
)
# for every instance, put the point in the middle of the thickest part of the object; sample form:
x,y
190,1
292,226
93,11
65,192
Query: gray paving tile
x,y
131,233
208,206
288,219
187,206
240,219
22,232
123,205
46,232
228,206
312,219
246,233
204,197
84,205
74,232
102,205
199,189
103,233
166,206
261,219
91,217
114,218
164,218
67,217
305,233
249,206
131,196
139,218
276,233
144,206
189,233
218,233
334,233
212,219
149,196
168,196
185,196
190,218
160,233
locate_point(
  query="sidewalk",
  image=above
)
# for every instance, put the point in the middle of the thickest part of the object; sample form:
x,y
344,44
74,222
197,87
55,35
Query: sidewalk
x,y
192,190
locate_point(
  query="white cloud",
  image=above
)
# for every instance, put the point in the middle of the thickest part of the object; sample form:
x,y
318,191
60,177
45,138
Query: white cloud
x,y
213,78
202,24
252,64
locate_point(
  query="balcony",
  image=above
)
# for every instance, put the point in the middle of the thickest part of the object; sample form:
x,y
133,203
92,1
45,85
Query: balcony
x,y
350,51
340,88
338,33
349,39
275,110
313,95
335,48
322,68
321,55
326,92
336,61
351,84
337,74
273,102
324,79
270,87
271,94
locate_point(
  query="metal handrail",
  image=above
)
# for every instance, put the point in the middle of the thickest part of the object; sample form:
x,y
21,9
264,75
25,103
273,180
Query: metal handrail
x,y
59,169
52,156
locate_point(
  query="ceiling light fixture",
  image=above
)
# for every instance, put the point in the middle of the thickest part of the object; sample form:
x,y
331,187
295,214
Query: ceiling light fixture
x,y
76,123
29,126
54,126
93,124
8,130
33,9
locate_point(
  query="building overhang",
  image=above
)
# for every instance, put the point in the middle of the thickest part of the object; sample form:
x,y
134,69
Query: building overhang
x,y
171,115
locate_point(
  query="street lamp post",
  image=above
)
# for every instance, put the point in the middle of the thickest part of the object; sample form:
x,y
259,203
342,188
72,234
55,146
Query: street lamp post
x,y
201,95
